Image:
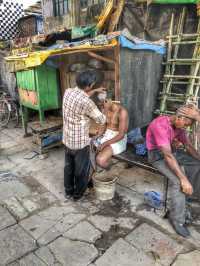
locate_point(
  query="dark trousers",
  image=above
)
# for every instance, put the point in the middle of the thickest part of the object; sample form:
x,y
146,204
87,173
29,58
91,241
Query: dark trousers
x,y
76,170
177,199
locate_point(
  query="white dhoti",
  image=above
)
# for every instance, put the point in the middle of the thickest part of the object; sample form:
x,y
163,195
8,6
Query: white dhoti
x,y
117,147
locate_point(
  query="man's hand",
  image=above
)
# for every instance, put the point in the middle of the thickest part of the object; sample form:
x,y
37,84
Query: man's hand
x,y
186,187
175,167
98,90
101,89
176,144
190,112
102,146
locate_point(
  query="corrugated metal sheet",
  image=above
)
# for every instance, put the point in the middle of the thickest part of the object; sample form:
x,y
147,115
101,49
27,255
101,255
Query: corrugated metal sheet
x,y
140,75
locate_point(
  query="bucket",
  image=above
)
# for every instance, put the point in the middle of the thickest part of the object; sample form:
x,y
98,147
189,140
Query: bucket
x,y
105,188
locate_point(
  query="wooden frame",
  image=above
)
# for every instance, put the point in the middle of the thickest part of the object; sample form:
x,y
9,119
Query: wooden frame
x,y
94,54
59,7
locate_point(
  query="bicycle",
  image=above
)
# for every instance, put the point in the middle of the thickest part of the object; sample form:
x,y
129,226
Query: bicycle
x,y
8,110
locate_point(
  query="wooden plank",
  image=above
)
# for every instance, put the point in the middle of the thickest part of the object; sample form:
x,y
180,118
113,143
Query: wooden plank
x,y
114,20
185,60
101,58
184,35
83,51
181,76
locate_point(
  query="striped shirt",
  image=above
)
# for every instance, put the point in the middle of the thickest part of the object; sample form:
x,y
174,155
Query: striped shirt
x,y
78,109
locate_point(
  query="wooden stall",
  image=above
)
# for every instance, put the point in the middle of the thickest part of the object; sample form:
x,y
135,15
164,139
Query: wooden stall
x,y
131,75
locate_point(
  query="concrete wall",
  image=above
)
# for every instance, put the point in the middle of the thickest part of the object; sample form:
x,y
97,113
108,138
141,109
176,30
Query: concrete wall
x,y
75,17
7,79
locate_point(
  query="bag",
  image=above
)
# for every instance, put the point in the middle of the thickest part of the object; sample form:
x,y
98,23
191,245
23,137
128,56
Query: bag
x,y
153,199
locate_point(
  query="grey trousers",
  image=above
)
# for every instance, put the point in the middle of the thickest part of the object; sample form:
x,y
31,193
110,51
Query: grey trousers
x,y
177,199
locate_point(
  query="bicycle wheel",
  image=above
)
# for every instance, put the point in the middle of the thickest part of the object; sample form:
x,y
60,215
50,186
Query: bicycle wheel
x,y
4,113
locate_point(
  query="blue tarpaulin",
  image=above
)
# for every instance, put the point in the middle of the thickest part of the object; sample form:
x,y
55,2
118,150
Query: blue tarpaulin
x,y
141,45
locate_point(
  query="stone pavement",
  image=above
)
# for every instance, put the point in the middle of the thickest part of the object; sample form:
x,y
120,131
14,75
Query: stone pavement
x,y
39,227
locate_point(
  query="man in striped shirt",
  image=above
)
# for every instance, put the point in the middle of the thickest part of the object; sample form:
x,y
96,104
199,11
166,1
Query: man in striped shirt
x,y
78,109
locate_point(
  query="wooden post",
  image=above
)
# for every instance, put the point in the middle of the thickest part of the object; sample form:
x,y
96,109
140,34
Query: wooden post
x,y
24,111
62,80
75,12
101,58
117,72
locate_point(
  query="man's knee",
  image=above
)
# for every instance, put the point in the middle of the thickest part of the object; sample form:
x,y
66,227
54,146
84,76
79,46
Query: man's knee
x,y
175,189
101,161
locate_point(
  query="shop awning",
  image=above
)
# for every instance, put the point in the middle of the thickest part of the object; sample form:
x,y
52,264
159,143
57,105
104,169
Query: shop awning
x,y
33,59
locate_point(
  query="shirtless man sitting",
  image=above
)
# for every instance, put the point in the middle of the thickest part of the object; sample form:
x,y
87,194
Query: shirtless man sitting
x,y
113,137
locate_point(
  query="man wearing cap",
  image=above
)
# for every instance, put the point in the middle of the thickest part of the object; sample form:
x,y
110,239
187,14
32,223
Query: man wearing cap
x,y
171,152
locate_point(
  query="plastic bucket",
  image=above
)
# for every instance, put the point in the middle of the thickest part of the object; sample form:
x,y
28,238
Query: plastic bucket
x,y
105,188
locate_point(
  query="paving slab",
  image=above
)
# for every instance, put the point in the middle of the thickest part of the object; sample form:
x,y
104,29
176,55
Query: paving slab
x,y
73,253
133,198
101,222
50,235
5,163
83,231
104,223
30,205
47,256
194,240
140,180
55,213
10,148
52,178
126,222
122,253
38,201
10,187
15,207
35,186
89,207
191,258
37,225
153,241
48,224
157,219
31,260
69,221
16,263
6,219
14,243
